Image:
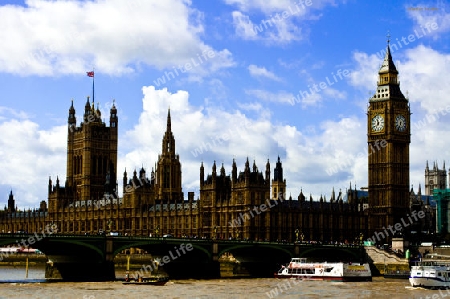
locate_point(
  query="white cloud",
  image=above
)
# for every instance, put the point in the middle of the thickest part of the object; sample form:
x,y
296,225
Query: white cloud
x,y
424,75
268,29
244,26
256,71
28,156
318,65
430,19
281,21
65,37
334,93
365,75
251,106
318,91
295,8
307,98
265,95
13,112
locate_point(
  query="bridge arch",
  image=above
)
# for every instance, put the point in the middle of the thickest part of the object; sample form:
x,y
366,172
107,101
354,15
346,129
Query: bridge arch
x,y
55,245
182,263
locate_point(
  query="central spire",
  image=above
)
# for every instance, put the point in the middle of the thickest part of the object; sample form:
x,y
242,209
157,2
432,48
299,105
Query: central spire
x,y
169,122
168,145
168,171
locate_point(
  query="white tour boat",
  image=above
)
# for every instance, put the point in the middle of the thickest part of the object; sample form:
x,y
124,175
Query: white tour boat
x,y
300,268
430,274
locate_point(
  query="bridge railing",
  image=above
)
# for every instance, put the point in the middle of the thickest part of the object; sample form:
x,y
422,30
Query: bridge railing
x,y
161,238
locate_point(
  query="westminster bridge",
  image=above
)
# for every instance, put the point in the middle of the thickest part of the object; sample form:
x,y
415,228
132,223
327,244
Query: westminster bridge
x,y
91,257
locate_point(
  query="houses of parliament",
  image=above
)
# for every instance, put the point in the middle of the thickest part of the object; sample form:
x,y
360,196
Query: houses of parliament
x,y
248,204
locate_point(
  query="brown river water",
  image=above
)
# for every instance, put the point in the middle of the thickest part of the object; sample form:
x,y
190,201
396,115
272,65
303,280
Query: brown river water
x,y
13,284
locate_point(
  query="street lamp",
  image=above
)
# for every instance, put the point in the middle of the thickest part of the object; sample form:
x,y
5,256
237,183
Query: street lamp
x,y
236,233
109,223
215,232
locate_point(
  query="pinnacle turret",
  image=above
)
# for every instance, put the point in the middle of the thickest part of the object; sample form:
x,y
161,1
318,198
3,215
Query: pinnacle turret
x,y
168,145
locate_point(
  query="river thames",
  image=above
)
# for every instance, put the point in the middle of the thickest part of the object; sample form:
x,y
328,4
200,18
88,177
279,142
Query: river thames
x,y
13,284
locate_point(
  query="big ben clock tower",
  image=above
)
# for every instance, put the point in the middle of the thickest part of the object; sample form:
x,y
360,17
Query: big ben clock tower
x,y
388,138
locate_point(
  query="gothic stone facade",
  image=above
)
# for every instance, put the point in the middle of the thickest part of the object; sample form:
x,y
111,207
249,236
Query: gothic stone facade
x,y
435,178
238,207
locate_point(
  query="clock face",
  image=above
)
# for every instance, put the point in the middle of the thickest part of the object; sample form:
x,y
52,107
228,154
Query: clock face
x,y
400,123
377,123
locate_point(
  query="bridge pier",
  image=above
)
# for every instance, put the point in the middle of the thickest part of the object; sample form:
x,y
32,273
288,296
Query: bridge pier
x,y
51,272
214,264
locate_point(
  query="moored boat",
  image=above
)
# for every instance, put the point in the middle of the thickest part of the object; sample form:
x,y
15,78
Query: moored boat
x,y
430,274
300,268
154,280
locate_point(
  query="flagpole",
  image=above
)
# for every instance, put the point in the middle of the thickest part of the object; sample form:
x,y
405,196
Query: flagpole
x,y
92,74
93,93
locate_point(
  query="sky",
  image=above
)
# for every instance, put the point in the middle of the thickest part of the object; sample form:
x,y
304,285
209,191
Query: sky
x,y
252,79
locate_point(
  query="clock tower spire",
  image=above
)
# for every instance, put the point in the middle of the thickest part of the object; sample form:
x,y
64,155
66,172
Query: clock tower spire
x,y
388,138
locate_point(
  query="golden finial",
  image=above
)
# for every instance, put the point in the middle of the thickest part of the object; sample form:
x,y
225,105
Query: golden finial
x,y
388,37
